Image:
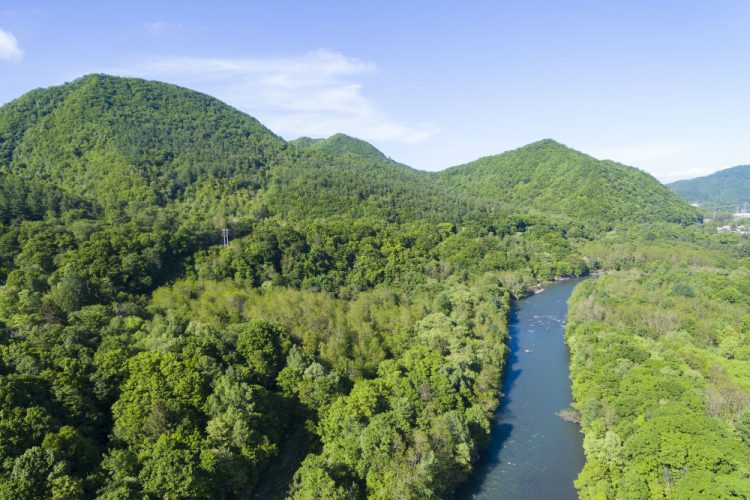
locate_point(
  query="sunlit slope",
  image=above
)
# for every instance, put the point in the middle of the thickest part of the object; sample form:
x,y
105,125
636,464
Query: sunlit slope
x,y
548,177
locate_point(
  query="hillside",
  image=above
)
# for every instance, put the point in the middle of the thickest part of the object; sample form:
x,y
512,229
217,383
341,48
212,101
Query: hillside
x,y
123,139
340,144
728,188
140,357
548,177
347,341
660,364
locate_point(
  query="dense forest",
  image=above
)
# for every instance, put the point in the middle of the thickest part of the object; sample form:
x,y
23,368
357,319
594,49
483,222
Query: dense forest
x,y
553,179
349,341
726,189
660,350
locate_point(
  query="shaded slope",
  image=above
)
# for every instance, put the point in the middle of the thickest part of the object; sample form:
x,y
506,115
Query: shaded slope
x,y
310,184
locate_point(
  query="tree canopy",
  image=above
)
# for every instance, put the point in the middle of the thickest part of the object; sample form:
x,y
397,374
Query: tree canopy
x,y
348,342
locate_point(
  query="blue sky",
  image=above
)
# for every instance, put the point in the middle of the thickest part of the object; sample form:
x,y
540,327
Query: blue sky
x,y
661,85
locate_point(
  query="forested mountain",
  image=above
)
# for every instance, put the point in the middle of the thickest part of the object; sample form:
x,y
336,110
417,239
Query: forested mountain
x,y
349,340
140,358
727,189
340,144
118,140
548,177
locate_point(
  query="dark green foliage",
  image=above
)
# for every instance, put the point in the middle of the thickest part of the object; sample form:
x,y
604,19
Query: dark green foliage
x,y
339,145
347,343
22,199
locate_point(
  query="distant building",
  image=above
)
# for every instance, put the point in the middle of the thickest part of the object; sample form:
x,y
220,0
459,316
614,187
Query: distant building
x,y
742,213
733,229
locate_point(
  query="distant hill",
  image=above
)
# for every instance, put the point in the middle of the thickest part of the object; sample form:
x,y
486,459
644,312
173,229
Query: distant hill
x,y
726,188
548,177
340,144
346,176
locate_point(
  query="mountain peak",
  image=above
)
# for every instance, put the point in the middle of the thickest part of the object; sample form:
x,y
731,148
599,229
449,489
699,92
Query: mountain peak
x,y
547,176
546,143
723,189
339,144
101,134
549,145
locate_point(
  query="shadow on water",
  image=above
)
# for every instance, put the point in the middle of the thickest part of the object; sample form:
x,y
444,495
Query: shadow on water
x,y
501,431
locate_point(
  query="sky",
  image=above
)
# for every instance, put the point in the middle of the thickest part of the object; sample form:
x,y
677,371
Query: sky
x,y
660,85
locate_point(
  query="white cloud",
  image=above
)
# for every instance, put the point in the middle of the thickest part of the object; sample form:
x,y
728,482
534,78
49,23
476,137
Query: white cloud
x,y
316,94
9,49
162,27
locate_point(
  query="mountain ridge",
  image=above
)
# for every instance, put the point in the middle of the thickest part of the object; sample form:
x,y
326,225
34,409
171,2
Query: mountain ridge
x,y
118,139
721,189
341,144
184,296
100,133
550,177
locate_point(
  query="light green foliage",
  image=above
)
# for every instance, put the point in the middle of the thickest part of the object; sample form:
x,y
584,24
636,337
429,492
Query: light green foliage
x,y
415,429
660,376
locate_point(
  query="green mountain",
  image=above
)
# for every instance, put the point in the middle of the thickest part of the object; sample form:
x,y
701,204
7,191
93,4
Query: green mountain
x,y
726,188
122,139
340,144
117,140
551,178
141,357
192,307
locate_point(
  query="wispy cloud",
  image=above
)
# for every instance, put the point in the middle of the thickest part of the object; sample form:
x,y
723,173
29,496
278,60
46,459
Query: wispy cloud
x,y
635,154
685,173
667,161
162,27
315,94
9,49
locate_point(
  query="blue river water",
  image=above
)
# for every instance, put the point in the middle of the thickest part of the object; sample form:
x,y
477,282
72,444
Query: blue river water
x,y
533,453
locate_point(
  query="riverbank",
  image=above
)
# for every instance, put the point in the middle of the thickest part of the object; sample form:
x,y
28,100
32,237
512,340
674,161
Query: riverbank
x,y
541,286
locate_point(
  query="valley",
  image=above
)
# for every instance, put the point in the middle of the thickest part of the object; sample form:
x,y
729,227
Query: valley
x,y
351,338
533,451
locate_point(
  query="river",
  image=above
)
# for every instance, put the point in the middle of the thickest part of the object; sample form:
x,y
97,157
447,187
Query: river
x,y
533,453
